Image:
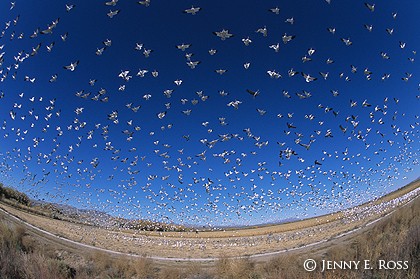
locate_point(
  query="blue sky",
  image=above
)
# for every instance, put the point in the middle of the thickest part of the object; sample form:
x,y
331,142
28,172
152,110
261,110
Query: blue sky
x,y
157,174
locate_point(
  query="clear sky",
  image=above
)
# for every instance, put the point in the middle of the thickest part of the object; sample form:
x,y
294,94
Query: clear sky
x,y
238,138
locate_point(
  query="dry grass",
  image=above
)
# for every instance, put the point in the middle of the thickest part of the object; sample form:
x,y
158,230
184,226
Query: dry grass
x,y
26,254
204,244
18,261
139,243
201,245
396,237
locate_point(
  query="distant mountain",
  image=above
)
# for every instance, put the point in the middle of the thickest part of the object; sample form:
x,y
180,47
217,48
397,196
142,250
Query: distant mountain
x,y
86,216
101,219
233,227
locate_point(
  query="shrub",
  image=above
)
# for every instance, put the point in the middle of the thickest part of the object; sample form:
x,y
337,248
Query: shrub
x,y
12,194
395,238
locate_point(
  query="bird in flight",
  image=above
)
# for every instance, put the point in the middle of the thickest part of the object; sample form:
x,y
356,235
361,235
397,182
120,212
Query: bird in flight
x,y
371,7
223,35
193,10
253,93
275,10
111,13
145,3
111,3
347,41
287,38
308,78
72,66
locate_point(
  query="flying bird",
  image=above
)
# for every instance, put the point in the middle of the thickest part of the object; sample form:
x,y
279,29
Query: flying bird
x,y
223,35
253,93
111,3
193,10
371,7
263,31
347,41
72,66
69,7
183,46
287,38
308,78
112,13
145,3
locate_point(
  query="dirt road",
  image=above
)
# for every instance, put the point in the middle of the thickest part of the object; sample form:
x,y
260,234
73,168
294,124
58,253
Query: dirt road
x,y
181,248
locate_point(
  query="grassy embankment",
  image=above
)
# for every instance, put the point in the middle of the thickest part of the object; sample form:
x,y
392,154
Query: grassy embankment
x,y
396,237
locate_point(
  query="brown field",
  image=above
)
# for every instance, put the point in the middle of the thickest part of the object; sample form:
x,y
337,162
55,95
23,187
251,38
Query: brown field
x,y
26,252
214,244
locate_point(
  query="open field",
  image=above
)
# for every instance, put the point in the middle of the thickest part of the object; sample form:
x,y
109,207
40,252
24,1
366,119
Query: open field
x,y
255,242
28,253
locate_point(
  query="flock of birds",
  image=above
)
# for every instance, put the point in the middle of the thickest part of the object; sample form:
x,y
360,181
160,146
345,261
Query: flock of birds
x,y
136,156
